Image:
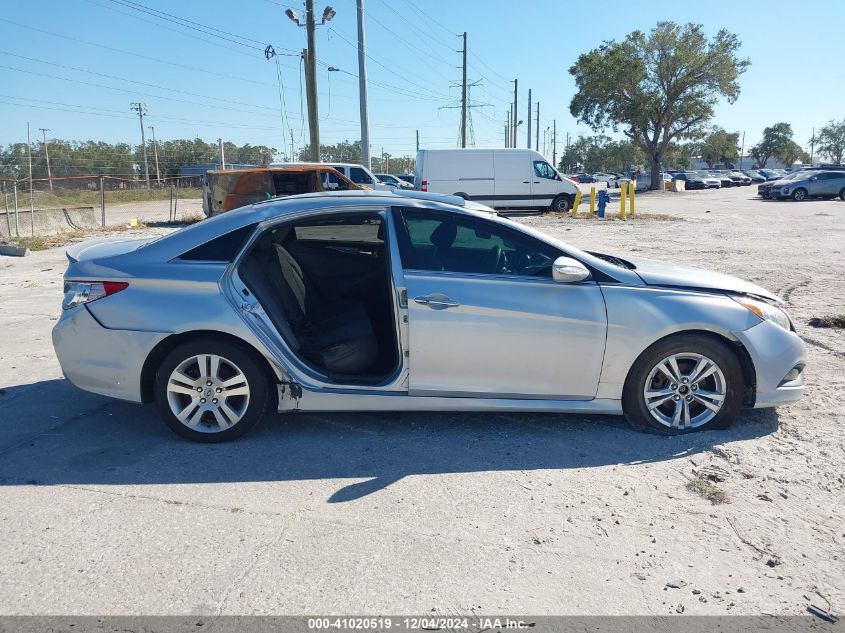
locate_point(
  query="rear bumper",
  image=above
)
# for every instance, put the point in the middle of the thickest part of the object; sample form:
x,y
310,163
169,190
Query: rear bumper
x,y
100,360
774,352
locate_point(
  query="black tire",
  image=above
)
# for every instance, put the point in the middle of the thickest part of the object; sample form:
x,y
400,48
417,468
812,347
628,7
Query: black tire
x,y
561,204
633,398
842,194
239,356
799,195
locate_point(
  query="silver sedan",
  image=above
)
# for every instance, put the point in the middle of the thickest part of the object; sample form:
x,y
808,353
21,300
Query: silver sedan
x,y
378,301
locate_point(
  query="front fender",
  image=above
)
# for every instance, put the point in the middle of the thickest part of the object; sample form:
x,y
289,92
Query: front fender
x,y
639,316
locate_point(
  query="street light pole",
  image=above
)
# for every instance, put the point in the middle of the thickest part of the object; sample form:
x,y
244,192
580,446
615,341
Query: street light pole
x,y
44,131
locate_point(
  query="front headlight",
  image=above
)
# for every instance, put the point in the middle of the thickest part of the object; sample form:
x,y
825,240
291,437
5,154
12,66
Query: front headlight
x,y
766,311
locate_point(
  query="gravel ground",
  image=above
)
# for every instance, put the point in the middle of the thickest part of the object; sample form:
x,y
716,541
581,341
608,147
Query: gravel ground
x,y
103,511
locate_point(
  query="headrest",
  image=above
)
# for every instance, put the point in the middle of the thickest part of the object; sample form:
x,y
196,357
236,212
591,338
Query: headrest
x,y
444,235
380,234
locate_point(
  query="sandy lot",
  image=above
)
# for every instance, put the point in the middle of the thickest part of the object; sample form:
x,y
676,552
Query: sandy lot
x,y
103,511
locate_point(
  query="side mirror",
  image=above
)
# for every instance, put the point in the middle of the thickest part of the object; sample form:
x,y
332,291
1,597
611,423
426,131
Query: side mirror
x,y
569,271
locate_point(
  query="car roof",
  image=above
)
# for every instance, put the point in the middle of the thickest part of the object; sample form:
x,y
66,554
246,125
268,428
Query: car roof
x,y
191,236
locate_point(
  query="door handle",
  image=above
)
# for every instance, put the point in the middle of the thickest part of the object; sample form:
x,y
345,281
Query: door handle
x,y
434,302
525,182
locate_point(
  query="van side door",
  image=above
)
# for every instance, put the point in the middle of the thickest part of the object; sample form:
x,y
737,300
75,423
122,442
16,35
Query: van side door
x,y
514,176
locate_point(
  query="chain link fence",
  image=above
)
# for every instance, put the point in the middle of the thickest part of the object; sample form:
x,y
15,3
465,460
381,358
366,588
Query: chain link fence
x,y
75,203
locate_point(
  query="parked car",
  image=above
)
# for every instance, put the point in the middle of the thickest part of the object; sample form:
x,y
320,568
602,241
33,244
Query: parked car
x,y
618,180
724,177
295,304
810,184
586,178
604,176
409,178
358,174
643,181
770,174
755,175
740,179
710,181
764,190
693,180
501,178
388,179
228,189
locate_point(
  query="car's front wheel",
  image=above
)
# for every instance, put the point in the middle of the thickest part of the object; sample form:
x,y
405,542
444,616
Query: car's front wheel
x,y
211,390
842,193
684,383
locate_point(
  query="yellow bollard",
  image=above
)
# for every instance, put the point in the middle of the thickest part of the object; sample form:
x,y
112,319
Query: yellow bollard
x,y
133,222
631,203
592,200
575,203
623,189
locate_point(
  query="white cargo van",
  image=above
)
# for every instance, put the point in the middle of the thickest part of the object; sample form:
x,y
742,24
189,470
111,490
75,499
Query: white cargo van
x,y
499,178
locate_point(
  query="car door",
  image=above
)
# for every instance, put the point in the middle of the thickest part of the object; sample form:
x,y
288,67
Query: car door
x,y
485,317
546,183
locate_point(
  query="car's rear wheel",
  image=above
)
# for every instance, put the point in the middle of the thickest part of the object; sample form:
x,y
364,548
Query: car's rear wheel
x,y
686,383
561,204
842,193
211,390
799,194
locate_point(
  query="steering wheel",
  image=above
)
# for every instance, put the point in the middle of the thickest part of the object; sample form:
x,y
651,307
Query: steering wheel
x,y
501,265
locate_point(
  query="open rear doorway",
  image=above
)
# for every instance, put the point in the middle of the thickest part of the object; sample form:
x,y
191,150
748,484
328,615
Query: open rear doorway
x,y
325,284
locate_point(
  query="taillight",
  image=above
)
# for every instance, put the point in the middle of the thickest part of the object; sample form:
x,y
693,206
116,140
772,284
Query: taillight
x,y
424,185
79,292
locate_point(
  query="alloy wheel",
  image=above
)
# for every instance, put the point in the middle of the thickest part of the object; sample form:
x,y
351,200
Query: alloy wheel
x,y
685,390
208,393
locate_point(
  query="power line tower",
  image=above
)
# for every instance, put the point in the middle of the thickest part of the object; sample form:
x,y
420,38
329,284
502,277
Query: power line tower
x,y
44,131
466,106
463,52
141,109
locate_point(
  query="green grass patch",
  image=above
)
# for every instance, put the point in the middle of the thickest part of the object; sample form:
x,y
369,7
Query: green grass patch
x,y
88,198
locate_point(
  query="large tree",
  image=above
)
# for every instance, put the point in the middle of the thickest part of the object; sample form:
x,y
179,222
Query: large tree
x,y
720,147
657,87
776,142
831,140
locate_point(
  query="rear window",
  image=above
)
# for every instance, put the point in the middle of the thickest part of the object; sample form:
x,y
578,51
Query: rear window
x,y
221,249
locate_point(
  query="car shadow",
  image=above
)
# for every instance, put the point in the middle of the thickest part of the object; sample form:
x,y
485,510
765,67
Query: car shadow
x,y
46,440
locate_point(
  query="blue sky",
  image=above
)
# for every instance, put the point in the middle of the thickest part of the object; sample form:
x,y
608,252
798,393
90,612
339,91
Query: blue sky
x,y
75,65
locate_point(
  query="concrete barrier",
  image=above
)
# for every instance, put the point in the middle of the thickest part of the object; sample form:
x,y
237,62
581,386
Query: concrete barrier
x,y
49,221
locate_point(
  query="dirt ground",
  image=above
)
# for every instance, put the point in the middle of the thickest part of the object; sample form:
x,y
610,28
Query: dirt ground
x,y
103,511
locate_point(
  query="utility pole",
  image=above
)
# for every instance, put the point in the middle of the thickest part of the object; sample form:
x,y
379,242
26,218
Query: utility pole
x,y
155,153
528,135
44,131
742,150
537,141
464,94
554,143
362,91
141,109
31,203
311,80
418,140
515,111
222,156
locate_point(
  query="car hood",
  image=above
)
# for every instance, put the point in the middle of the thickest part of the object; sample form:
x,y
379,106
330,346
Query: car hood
x,y
100,248
659,273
